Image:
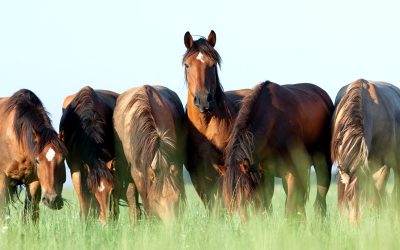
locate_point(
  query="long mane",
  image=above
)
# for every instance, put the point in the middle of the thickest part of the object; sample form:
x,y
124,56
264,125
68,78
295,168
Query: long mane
x,y
152,147
239,148
31,118
348,146
203,46
86,125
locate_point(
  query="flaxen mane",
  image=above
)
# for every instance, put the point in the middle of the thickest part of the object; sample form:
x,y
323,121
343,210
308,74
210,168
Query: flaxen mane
x,y
241,147
31,118
86,130
348,147
151,147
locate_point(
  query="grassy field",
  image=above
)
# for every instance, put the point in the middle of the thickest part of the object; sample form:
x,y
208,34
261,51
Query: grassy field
x,y
63,230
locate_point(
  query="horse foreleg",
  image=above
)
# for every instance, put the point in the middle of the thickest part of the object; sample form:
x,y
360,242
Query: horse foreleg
x,y
323,170
380,178
295,197
32,200
290,195
4,196
268,191
83,200
132,197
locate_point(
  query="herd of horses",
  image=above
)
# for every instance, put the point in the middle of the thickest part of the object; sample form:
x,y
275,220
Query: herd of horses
x,y
133,146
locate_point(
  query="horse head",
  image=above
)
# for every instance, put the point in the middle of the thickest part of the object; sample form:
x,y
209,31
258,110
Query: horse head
x,y
201,60
50,170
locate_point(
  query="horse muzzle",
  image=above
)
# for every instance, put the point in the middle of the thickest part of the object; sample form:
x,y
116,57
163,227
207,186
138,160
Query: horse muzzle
x,y
54,201
204,102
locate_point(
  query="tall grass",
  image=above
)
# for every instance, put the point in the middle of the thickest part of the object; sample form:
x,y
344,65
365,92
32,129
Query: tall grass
x,y
196,230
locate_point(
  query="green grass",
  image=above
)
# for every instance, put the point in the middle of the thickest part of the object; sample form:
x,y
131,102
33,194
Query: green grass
x,y
64,230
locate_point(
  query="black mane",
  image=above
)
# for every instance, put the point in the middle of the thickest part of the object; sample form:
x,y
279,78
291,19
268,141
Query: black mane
x,y
87,130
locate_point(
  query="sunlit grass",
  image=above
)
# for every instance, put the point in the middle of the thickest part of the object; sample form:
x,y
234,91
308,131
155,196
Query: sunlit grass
x,y
196,230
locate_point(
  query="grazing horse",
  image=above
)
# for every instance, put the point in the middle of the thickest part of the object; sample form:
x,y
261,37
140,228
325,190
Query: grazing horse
x,y
150,142
281,130
210,115
86,127
31,153
366,142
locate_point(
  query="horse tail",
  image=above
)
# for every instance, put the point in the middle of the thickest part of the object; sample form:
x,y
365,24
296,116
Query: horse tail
x,y
348,146
241,176
151,147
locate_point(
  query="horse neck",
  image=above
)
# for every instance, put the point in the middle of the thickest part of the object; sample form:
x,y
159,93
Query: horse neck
x,y
222,114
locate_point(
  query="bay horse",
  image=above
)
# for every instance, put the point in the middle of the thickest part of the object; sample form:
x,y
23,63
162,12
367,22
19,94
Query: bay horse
x,y
280,131
150,151
366,143
31,154
210,114
86,127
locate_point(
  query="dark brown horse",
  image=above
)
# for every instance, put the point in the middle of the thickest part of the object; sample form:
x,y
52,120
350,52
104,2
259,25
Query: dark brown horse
x,y
281,130
31,153
86,127
366,143
150,151
210,115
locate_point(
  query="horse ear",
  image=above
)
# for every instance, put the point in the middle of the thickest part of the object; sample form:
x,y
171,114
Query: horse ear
x,y
188,39
245,166
212,38
111,165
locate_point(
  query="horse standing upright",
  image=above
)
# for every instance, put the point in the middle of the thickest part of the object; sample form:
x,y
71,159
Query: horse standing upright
x,y
150,151
86,127
31,153
281,130
210,115
366,142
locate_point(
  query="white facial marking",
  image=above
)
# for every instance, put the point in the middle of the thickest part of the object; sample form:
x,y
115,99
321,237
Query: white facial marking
x,y
200,57
101,187
50,154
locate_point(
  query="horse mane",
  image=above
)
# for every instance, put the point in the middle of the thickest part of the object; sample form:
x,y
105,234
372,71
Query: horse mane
x,y
152,147
348,146
241,147
203,46
89,133
31,117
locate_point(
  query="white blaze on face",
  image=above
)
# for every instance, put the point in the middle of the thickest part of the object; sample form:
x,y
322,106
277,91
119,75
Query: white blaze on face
x,y
101,187
50,154
200,57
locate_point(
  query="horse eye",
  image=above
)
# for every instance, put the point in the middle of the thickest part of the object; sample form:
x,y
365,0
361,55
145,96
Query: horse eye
x,y
186,65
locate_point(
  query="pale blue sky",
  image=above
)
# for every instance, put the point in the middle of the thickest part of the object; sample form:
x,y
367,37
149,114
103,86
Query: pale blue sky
x,y
56,47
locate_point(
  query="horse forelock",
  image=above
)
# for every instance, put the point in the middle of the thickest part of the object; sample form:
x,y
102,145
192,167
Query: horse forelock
x,y
348,146
87,127
30,119
151,146
240,147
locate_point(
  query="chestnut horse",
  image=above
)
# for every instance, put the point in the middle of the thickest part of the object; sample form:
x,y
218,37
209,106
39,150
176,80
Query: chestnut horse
x,y
150,143
31,153
210,114
281,130
86,127
366,143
